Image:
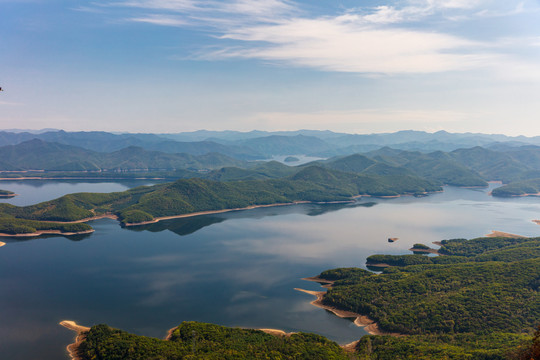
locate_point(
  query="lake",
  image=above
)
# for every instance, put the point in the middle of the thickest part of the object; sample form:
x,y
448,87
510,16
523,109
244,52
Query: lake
x,y
235,269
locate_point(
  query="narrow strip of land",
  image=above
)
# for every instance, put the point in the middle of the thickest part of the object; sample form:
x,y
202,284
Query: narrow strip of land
x,y
45,232
80,330
210,212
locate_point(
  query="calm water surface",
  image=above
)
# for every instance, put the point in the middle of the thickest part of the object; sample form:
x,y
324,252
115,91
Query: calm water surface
x,y
234,269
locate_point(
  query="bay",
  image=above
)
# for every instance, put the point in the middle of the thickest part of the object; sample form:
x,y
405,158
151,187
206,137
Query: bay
x,y
235,269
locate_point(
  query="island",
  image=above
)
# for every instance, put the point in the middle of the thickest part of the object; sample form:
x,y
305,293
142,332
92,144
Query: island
x,y
7,194
195,196
290,159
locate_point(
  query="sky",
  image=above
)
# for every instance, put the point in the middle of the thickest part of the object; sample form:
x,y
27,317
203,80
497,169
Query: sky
x,y
166,66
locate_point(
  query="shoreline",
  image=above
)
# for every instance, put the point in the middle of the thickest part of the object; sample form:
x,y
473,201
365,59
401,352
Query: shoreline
x,y
77,178
79,338
199,213
360,320
516,195
210,212
97,217
46,232
2,243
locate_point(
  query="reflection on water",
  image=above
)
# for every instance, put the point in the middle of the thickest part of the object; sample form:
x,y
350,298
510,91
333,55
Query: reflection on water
x,y
36,191
237,269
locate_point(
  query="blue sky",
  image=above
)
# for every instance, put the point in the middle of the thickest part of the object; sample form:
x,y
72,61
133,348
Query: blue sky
x,y
352,66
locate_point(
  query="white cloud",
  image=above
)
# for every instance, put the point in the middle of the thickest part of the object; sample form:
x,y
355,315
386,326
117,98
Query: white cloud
x,y
160,20
380,40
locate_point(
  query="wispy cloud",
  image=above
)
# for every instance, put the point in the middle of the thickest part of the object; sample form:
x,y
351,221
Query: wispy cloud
x,y
376,40
159,20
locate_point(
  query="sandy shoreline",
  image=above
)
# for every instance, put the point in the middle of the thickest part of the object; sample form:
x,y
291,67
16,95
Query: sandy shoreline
x,y
45,232
77,178
80,330
209,212
495,233
360,320
2,243
97,217
537,222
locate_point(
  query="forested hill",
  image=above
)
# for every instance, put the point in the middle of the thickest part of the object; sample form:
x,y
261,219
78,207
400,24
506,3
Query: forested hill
x,y
315,184
193,340
462,306
40,155
481,288
463,167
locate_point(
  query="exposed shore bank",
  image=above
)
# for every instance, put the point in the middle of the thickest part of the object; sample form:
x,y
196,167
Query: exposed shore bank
x,y
210,212
79,338
360,320
72,349
47,232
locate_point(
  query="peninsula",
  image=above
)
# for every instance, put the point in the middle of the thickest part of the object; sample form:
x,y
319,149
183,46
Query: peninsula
x,y
189,197
483,288
195,340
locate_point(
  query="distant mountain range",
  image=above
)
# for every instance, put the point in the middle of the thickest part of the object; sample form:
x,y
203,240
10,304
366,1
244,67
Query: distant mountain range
x,y
105,153
49,156
258,145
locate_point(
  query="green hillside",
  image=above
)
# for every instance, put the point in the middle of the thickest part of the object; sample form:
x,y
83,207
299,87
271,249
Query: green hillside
x,y
519,188
437,167
41,155
185,196
192,340
464,293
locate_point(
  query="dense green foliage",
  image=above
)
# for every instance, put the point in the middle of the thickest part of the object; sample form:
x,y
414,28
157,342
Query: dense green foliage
x,y
519,188
398,260
465,292
192,340
184,196
136,216
494,346
10,225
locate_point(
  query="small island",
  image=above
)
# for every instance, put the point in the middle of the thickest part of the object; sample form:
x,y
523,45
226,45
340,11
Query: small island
x,y
7,194
290,159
